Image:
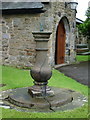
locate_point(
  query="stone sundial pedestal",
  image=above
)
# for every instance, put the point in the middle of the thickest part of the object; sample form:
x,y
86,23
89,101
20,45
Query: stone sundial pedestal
x,y
40,97
41,72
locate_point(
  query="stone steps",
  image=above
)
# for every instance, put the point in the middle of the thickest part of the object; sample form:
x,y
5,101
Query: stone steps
x,y
82,49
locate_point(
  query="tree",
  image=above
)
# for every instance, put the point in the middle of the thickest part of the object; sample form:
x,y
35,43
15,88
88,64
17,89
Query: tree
x,y
85,27
88,13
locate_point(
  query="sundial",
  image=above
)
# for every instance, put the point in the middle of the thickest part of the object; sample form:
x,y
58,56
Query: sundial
x,y
40,97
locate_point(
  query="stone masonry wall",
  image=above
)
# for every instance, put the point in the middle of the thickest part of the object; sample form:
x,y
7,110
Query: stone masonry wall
x,y
18,44
58,12
17,39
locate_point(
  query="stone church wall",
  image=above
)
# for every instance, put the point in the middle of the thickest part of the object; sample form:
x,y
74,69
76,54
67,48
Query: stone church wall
x,y
18,46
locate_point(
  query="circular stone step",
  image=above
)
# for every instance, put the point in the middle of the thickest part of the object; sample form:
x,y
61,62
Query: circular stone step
x,y
63,99
22,98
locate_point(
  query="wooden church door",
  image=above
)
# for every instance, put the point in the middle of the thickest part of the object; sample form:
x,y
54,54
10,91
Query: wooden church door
x,y
60,43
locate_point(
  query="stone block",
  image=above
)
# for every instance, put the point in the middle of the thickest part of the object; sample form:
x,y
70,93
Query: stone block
x,y
18,23
5,36
22,53
15,44
13,52
5,48
29,53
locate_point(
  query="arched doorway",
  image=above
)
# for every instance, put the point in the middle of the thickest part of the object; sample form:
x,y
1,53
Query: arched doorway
x,y
60,43
62,46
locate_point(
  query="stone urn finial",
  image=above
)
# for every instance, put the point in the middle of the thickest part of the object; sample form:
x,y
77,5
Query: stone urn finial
x,y
41,72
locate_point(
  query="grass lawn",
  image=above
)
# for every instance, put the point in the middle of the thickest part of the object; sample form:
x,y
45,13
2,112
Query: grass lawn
x,y
16,78
80,58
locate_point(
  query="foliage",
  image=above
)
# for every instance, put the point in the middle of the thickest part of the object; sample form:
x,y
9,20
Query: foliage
x,y
85,27
15,78
88,13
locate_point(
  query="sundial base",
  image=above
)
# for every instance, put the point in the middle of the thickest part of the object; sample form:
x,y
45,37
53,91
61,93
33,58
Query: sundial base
x,y
63,99
40,91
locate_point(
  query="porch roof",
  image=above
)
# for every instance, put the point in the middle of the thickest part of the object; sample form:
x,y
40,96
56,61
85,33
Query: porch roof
x,y
79,21
21,5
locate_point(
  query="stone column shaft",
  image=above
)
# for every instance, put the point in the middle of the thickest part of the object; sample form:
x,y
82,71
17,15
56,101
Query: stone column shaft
x,y
41,72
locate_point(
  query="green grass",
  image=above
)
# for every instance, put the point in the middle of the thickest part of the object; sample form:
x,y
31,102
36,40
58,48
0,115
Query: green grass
x,y
80,58
16,78
77,113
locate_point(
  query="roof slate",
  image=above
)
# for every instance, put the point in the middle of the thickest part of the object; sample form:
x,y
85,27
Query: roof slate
x,y
21,5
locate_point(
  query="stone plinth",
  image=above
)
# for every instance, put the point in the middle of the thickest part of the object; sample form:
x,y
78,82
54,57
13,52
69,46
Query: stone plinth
x,y
41,72
20,97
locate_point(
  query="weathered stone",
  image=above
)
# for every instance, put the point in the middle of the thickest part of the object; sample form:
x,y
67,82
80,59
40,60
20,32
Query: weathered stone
x,y
64,99
13,52
5,36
